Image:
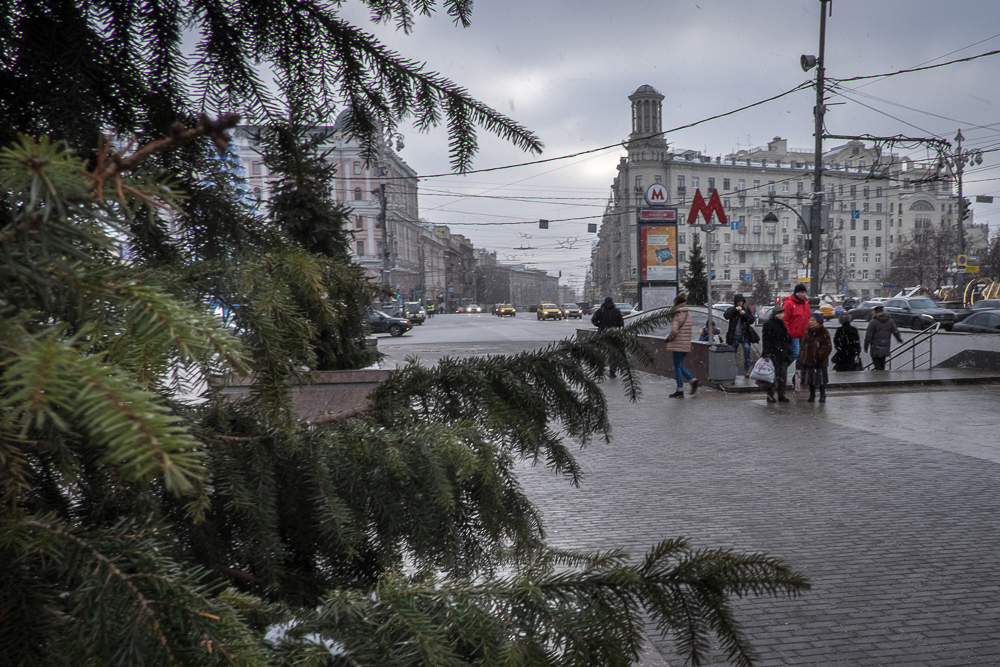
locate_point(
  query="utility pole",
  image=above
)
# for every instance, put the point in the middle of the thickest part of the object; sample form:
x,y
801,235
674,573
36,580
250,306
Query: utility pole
x,y
386,246
959,159
815,228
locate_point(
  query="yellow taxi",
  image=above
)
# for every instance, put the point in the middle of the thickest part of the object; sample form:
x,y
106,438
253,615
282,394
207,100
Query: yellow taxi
x,y
827,311
549,311
506,310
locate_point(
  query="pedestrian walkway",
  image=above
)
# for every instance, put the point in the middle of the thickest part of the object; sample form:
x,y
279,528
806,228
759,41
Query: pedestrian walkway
x,y
946,377
888,501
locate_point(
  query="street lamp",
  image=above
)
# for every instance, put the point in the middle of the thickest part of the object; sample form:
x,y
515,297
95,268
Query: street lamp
x,y
958,160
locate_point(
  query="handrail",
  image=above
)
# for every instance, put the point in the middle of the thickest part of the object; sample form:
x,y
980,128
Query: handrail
x,y
911,345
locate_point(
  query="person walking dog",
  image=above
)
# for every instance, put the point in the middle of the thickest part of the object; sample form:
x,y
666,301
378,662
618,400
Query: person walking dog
x,y
679,344
847,342
740,330
776,346
879,336
814,357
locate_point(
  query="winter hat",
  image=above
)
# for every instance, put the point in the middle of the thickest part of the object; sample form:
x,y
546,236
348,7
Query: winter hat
x,y
777,309
800,288
738,298
818,316
845,318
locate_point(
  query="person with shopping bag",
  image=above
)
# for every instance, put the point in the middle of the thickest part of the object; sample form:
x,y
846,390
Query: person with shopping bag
x,y
776,347
814,357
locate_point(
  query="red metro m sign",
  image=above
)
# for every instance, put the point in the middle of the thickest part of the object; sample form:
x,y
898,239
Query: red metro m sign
x,y
714,206
656,195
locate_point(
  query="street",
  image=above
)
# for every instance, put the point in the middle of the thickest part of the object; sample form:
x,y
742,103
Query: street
x,y
889,502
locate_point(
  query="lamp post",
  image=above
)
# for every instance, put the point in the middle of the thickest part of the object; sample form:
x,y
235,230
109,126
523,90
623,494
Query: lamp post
x,y
807,63
958,160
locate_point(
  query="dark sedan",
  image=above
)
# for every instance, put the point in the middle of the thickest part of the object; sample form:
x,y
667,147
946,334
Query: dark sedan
x,y
863,312
983,304
379,322
919,312
982,321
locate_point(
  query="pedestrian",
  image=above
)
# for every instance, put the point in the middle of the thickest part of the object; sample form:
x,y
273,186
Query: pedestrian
x,y
814,357
608,317
797,314
430,310
879,336
716,334
741,330
847,341
776,347
679,344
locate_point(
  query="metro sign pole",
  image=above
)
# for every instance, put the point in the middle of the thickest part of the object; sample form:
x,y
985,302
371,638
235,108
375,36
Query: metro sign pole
x,y
714,206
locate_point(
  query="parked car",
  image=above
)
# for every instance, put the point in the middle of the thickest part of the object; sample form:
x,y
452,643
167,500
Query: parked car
x,y
473,308
506,310
571,310
983,304
414,312
548,311
863,312
918,312
981,321
379,322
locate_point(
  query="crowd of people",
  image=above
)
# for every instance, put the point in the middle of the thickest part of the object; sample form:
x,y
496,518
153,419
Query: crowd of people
x,y
792,334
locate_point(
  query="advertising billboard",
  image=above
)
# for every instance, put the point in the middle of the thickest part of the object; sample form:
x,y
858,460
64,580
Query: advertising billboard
x,y
657,252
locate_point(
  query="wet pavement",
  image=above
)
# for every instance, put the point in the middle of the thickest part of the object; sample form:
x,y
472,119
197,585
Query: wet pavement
x,y
889,501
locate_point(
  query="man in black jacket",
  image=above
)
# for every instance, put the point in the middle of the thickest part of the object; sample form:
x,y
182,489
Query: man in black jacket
x,y
741,329
608,317
879,336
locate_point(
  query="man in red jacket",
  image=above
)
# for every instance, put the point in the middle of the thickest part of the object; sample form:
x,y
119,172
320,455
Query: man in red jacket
x,y
797,314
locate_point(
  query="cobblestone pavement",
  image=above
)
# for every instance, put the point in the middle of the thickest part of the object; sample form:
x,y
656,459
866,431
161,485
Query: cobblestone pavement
x,y
889,503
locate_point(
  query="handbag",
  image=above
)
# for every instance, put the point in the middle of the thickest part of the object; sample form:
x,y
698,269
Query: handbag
x,y
797,386
763,370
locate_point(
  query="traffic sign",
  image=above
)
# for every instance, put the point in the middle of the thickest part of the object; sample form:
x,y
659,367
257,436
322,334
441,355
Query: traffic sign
x,y
855,214
963,260
658,214
656,195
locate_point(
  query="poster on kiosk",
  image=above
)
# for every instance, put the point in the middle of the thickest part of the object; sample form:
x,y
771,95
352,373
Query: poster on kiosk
x,y
657,251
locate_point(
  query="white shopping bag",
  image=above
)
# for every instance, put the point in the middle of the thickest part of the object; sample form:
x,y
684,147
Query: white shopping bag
x,y
763,370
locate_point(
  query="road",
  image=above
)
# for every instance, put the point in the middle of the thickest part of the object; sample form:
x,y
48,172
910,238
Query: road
x,y
888,501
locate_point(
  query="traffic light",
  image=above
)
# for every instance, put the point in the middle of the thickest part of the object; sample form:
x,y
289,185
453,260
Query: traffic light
x,y
633,272
964,207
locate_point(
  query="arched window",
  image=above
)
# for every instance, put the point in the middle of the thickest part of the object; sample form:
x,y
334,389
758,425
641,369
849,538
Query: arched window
x,y
357,194
921,205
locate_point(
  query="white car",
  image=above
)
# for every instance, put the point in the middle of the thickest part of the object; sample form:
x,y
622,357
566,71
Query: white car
x,y
473,308
626,308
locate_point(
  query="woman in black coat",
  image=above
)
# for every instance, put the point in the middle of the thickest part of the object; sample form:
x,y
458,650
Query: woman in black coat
x,y
847,341
776,345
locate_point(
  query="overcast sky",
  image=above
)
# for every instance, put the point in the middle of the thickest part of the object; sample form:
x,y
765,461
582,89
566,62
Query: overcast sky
x,y
565,70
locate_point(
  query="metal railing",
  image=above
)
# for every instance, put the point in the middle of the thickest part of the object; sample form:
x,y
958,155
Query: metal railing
x,y
924,336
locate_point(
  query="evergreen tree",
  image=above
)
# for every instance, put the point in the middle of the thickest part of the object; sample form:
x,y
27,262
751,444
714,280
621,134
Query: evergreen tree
x,y
140,526
762,291
695,284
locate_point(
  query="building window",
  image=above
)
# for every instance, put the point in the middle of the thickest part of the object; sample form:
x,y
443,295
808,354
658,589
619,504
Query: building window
x,y
864,241
854,223
756,203
852,257
741,185
784,186
657,179
891,206
864,207
726,275
918,186
680,181
854,274
726,257
743,257
770,238
784,239
849,163
785,258
682,256
864,224
756,185
357,168
359,222
695,182
878,225
357,194
256,169
638,182
682,237
854,241
864,258
878,258
878,208
800,187
727,237
361,248
756,224
756,238
711,184
784,223
906,184
878,192
878,241
725,184
878,274
742,237
770,187
725,202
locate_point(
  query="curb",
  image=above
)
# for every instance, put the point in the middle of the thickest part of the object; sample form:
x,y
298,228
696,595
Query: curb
x,y
875,384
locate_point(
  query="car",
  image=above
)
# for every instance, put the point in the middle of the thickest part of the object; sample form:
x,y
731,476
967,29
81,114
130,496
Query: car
x,y
548,311
379,322
473,308
414,312
827,311
981,321
982,304
571,310
506,310
851,302
626,308
918,312
586,307
863,311
533,307
763,313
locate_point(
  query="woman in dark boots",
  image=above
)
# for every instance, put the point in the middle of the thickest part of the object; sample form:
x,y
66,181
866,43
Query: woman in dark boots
x,y
776,346
814,357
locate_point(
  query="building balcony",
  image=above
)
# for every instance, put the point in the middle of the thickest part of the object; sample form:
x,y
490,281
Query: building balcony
x,y
758,247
